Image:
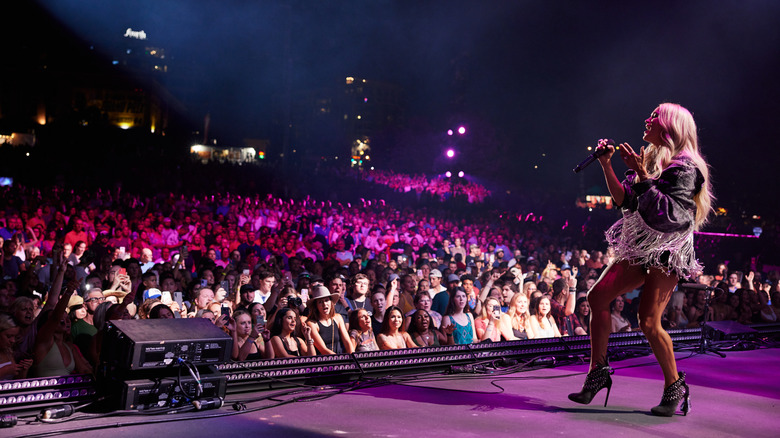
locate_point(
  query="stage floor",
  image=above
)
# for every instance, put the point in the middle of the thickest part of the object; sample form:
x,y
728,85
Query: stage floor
x,y
736,396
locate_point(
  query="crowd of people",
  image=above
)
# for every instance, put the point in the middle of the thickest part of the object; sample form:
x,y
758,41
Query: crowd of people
x,y
440,187
303,277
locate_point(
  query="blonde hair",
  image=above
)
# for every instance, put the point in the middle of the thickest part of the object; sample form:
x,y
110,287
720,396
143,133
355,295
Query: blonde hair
x,y
484,306
512,311
679,134
6,323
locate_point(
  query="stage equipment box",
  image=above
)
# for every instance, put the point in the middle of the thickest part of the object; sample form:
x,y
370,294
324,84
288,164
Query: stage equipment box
x,y
132,345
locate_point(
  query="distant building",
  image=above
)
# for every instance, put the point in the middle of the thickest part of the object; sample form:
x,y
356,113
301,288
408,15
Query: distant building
x,y
316,131
141,55
57,78
369,108
341,121
141,102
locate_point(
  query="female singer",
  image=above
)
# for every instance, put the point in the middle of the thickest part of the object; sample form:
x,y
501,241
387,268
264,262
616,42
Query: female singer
x,y
665,197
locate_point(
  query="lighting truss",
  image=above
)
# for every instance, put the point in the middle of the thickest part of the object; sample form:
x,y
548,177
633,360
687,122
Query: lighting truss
x,y
317,370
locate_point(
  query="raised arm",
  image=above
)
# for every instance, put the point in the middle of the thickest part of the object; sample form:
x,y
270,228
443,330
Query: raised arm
x,y
494,275
613,183
572,296
119,310
392,292
58,268
45,336
271,301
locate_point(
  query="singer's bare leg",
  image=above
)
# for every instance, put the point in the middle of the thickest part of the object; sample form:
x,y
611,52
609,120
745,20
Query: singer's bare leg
x,y
655,295
617,279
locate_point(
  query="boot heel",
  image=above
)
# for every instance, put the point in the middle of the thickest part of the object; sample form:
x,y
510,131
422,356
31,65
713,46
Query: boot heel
x,y
609,389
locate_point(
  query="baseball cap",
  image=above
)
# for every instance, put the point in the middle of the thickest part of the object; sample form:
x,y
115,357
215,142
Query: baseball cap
x,y
152,293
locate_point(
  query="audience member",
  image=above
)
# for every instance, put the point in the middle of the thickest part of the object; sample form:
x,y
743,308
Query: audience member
x,y
290,338
516,322
392,336
458,316
361,333
249,338
542,323
328,328
424,334
487,324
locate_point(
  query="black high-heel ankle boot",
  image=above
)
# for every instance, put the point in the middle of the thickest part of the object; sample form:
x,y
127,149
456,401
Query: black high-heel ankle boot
x,y
597,379
673,394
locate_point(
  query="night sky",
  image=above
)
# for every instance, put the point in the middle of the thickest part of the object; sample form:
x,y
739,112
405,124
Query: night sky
x,y
549,77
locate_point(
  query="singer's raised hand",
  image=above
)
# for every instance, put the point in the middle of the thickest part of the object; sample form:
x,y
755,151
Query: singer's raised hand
x,y
634,161
609,150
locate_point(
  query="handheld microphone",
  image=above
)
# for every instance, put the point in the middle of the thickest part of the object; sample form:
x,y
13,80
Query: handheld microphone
x,y
593,157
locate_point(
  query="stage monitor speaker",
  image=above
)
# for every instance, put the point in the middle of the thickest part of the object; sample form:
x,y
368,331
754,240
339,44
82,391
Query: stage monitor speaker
x,y
728,331
132,345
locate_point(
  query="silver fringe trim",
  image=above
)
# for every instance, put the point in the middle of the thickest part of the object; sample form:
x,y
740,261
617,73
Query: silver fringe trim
x,y
633,240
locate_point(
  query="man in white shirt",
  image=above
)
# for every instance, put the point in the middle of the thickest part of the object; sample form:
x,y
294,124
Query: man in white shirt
x,y
436,286
147,261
